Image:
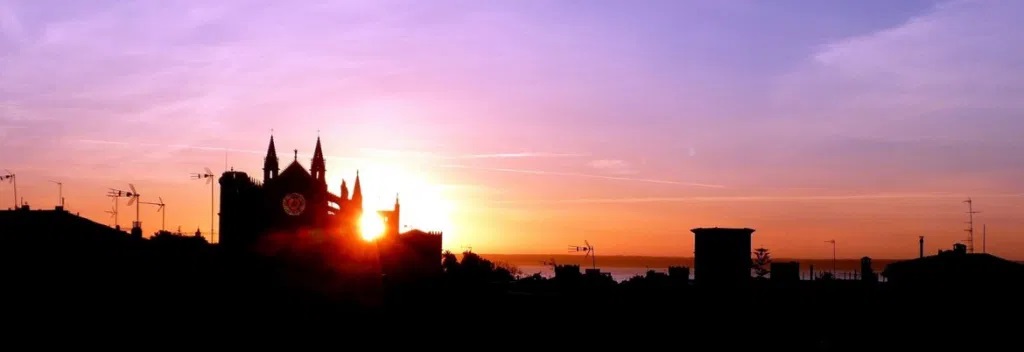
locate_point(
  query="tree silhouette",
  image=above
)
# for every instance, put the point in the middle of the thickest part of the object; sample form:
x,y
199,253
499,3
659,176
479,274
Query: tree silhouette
x,y
449,262
762,261
506,267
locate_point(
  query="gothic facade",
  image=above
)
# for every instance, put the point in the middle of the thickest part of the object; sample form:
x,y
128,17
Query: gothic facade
x,y
291,200
295,203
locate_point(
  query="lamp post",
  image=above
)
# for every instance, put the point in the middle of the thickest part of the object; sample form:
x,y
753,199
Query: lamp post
x,y
60,193
833,242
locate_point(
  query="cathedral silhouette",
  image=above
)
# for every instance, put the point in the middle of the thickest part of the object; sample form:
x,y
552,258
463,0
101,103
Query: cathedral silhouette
x,y
295,202
287,201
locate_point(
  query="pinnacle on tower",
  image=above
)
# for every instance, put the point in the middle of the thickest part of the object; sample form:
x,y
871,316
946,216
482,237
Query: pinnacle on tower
x,y
318,167
357,193
344,190
270,165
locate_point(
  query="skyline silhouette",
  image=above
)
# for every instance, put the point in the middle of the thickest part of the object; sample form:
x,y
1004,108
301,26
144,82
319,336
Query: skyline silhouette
x,y
524,127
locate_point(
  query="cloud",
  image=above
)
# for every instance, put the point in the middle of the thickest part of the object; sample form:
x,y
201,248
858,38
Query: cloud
x,y
204,148
519,155
930,101
961,55
395,153
573,174
617,167
818,198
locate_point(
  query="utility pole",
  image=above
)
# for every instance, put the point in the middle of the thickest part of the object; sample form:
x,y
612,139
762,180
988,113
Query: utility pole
x,y
983,238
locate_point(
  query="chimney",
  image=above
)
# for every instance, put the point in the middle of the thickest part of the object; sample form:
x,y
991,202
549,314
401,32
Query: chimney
x,y
920,244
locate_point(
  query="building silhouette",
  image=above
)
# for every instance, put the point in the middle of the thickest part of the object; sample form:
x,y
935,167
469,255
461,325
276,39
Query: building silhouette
x,y
785,271
867,271
294,204
955,269
721,256
293,201
56,222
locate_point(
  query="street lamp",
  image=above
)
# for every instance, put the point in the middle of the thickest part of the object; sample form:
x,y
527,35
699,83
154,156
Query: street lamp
x,y
833,242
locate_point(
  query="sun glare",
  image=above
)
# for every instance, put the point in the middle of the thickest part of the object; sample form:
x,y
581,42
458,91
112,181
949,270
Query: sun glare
x,y
371,226
425,204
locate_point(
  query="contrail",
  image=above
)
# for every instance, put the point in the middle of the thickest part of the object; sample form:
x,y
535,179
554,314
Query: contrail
x,y
764,198
573,174
519,155
425,154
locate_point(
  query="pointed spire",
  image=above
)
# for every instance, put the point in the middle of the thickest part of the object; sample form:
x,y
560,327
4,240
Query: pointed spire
x,y
270,165
357,193
318,167
344,190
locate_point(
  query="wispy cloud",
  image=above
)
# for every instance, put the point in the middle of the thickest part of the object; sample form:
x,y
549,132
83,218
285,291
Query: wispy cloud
x,y
203,148
518,155
816,198
613,166
500,155
573,174
171,146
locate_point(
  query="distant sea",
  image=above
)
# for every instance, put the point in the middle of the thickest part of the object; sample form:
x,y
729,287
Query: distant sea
x,y
624,267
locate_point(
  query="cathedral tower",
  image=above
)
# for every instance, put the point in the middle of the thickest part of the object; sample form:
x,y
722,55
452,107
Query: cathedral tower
x,y
357,195
318,168
344,191
270,167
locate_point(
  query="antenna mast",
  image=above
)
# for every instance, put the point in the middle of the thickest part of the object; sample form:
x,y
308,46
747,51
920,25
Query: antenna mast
x,y
983,238
970,224
208,175
60,192
588,250
14,180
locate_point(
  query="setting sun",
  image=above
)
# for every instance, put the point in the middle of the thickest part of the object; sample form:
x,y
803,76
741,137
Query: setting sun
x,y
425,203
371,226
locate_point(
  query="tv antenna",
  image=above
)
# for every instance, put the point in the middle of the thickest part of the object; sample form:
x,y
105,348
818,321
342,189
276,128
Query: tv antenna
x,y
970,224
12,179
163,214
113,213
209,180
133,198
588,249
60,192
114,195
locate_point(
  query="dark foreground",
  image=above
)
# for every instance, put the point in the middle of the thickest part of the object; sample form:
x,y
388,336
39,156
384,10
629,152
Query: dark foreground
x,y
124,293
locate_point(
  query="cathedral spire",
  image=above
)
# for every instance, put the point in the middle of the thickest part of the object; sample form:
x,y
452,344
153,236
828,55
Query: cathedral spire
x,y
344,191
270,166
318,167
357,193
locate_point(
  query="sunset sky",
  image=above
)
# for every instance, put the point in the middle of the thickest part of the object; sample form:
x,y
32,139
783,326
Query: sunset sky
x,y
527,126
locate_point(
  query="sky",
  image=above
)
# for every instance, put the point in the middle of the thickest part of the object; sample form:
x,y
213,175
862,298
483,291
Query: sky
x,y
528,126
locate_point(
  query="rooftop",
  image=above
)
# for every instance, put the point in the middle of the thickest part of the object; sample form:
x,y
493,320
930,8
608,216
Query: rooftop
x,y
744,230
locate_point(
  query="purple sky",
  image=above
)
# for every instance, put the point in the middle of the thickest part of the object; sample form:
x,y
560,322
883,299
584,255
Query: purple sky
x,y
644,115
